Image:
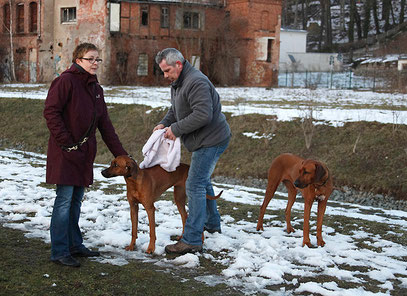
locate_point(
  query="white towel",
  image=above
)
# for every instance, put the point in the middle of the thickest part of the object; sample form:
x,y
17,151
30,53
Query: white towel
x,y
161,151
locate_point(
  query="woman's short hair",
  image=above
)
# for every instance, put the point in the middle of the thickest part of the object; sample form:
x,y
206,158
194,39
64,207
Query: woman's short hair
x,y
81,50
170,55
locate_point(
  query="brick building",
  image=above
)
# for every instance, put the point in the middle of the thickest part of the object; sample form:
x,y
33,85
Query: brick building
x,y
231,41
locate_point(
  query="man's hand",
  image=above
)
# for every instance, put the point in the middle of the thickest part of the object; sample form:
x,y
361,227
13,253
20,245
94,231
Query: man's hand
x,y
160,126
168,134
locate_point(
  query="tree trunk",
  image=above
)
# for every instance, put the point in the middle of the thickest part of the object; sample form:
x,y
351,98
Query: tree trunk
x,y
358,24
322,29
12,68
296,14
342,15
367,7
351,29
328,24
402,9
376,17
386,5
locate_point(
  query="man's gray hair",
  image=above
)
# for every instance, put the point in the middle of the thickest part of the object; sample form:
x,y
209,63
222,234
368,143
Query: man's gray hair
x,y
170,55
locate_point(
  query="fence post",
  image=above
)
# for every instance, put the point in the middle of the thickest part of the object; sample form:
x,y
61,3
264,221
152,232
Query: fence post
x,y
306,78
350,79
374,79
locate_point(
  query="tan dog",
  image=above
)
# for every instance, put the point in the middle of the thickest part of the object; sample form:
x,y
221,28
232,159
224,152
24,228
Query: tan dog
x,y
314,181
145,186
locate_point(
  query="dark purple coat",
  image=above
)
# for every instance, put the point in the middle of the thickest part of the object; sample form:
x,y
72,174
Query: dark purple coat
x,y
68,112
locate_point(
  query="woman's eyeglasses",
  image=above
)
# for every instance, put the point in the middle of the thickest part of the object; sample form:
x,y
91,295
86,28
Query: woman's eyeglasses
x,y
92,60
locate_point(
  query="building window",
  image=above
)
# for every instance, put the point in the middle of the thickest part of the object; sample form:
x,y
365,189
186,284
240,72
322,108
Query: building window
x,y
165,17
20,18
269,49
114,17
191,20
142,68
33,17
68,15
144,15
6,20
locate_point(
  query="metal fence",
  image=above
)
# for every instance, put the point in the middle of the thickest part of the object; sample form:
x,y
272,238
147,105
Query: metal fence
x,y
375,80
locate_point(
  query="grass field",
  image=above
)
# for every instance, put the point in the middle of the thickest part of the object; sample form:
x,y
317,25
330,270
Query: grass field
x,y
367,156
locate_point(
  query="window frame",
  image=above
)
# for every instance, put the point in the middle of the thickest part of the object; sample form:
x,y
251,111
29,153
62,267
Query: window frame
x,y
68,20
191,20
20,16
165,17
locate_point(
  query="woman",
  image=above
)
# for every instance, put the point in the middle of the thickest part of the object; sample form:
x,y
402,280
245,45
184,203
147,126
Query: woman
x,y
74,108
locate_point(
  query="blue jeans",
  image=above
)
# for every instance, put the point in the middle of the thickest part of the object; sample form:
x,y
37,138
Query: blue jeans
x,y
66,236
202,212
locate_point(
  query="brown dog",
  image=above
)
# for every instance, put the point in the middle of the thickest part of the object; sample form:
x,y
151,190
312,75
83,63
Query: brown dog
x,y
314,181
145,186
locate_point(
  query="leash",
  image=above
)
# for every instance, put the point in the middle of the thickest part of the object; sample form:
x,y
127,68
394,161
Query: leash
x,y
85,137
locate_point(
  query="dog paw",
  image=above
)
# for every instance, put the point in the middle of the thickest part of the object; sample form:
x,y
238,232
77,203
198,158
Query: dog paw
x,y
321,243
150,250
290,229
308,244
129,248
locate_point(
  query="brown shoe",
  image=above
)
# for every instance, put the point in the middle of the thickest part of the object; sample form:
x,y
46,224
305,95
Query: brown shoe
x,y
182,248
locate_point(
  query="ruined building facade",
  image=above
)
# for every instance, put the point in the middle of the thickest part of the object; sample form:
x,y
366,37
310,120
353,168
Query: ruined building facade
x,y
234,42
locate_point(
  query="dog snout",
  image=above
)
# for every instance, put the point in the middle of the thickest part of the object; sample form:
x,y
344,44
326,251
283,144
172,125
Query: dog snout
x,y
299,184
105,173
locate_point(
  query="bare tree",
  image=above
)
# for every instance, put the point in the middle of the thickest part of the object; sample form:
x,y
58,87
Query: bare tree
x,y
10,30
402,11
376,17
367,7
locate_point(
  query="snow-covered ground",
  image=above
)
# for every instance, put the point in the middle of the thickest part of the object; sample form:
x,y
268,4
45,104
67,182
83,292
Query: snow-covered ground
x,y
331,106
252,261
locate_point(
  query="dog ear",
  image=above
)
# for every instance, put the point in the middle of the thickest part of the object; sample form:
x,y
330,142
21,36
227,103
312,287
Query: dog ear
x,y
132,168
319,172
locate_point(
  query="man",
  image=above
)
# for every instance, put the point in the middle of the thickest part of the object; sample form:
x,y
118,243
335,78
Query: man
x,y
195,116
74,108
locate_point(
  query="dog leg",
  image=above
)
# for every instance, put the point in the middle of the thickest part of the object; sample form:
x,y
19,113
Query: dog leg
x,y
271,188
292,196
151,221
320,218
180,197
308,199
134,225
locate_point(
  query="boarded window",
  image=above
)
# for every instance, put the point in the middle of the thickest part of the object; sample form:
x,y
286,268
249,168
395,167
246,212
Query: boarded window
x,y
196,62
236,68
142,68
265,21
114,17
165,17
191,20
20,18
33,17
68,15
144,15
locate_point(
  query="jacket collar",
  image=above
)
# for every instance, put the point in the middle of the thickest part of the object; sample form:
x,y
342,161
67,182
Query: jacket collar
x,y
185,70
76,69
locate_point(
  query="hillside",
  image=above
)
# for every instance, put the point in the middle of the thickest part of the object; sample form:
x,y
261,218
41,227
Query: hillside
x,y
332,25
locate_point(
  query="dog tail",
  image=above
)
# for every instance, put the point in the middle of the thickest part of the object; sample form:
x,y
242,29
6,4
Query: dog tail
x,y
214,197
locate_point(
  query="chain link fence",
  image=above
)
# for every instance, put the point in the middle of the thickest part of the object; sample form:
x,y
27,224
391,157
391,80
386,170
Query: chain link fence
x,y
387,80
